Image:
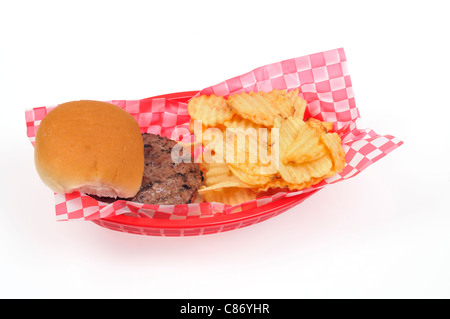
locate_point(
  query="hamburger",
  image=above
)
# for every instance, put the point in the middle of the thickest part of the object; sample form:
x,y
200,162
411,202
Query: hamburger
x,y
164,181
97,148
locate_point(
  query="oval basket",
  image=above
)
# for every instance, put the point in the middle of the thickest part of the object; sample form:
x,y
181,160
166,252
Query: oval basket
x,y
199,226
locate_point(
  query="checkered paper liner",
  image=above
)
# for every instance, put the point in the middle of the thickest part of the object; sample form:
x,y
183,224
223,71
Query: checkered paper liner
x,y
323,81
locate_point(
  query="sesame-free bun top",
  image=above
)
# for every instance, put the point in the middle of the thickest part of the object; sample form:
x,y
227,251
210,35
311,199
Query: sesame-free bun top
x,y
91,147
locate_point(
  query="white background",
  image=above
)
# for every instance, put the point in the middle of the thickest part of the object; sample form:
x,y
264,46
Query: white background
x,y
383,234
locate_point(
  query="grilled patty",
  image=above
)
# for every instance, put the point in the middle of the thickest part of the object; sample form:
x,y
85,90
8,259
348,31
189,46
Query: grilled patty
x,y
165,182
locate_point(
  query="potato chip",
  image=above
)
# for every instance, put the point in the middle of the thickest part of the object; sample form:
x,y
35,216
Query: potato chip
x,y
192,125
276,182
291,94
324,126
306,146
281,183
295,173
334,144
251,152
247,147
203,134
312,181
328,125
258,142
261,107
198,199
241,145
299,103
219,174
288,130
230,196
299,107
211,110
303,173
221,185
218,149
238,121
312,122
256,136
251,179
266,171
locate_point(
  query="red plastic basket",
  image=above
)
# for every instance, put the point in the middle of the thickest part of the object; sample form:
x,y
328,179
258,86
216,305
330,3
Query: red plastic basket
x,y
198,226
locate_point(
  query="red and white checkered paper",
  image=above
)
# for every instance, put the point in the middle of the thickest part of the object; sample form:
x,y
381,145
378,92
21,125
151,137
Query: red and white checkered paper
x,y
323,81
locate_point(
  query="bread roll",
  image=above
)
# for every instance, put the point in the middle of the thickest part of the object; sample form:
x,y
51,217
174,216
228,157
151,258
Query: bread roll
x,y
91,147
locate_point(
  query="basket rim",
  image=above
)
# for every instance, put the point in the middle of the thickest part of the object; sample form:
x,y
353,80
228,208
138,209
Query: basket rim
x,y
280,205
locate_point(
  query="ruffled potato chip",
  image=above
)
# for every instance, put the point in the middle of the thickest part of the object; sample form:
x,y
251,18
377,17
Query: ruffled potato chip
x,y
282,184
211,110
230,196
243,156
256,180
250,152
299,103
204,134
218,175
328,125
261,107
238,121
294,173
246,146
334,144
306,146
288,130
324,126
303,173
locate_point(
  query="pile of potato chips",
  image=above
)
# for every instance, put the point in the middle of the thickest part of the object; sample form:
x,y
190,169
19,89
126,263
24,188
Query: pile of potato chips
x,y
259,141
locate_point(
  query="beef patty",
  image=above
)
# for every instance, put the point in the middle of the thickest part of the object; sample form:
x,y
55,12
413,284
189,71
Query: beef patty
x,y
165,182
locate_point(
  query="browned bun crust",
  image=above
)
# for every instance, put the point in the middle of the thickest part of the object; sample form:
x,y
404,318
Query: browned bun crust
x,y
92,147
